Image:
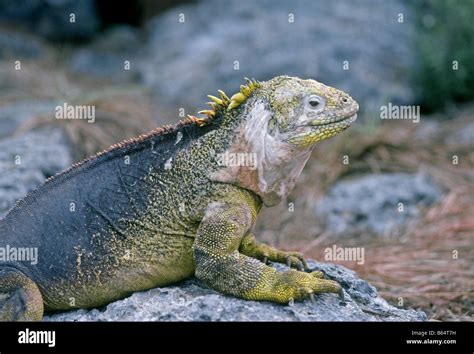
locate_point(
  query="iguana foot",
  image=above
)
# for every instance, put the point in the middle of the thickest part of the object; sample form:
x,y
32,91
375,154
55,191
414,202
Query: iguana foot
x,y
20,298
293,285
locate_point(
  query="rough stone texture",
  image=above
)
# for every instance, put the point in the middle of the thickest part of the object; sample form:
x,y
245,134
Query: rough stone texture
x,y
191,301
370,203
41,154
50,18
259,35
104,57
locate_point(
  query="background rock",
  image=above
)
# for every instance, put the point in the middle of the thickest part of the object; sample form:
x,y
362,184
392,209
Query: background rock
x,y
17,45
50,18
41,155
370,203
188,60
104,57
192,301
465,135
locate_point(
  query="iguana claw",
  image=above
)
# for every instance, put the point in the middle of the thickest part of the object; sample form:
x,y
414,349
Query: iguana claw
x,y
296,260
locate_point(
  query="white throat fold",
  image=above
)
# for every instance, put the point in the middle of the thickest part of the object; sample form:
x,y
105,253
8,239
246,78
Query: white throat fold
x,y
277,163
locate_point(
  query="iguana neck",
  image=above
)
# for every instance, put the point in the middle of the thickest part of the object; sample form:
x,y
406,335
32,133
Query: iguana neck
x,y
277,164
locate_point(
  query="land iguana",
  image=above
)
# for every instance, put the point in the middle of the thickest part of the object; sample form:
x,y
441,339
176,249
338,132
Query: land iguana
x,y
166,205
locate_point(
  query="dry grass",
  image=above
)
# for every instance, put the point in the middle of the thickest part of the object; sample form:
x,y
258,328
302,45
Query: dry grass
x,y
433,267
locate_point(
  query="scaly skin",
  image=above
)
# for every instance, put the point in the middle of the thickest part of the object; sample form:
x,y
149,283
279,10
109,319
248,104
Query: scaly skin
x,y
164,207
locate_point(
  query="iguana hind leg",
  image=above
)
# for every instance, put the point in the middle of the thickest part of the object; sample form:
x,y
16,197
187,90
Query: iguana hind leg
x,y
20,298
220,264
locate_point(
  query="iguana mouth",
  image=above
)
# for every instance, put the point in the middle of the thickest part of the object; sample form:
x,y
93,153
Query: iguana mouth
x,y
350,119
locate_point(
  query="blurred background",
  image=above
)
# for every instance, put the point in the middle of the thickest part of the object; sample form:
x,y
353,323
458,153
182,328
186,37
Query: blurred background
x,y
403,191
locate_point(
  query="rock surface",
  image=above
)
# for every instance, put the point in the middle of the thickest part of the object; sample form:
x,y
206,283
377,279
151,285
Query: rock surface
x,y
371,203
191,301
26,161
265,38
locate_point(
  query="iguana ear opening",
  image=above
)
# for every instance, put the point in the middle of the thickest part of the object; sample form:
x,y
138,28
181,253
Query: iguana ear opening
x,y
272,127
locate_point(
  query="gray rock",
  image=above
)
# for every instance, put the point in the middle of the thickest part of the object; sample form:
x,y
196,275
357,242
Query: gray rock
x,y
370,203
16,45
428,130
104,58
463,136
26,161
50,18
188,60
192,301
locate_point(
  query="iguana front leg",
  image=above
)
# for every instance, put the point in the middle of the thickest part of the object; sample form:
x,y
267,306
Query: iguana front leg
x,y
221,266
250,247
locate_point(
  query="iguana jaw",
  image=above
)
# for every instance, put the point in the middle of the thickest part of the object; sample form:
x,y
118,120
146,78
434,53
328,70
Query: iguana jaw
x,y
324,126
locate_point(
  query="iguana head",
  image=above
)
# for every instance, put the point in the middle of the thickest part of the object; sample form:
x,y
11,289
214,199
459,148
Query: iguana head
x,y
281,120
307,111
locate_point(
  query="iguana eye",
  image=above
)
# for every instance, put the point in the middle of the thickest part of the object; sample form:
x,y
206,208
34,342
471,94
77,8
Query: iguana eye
x,y
315,102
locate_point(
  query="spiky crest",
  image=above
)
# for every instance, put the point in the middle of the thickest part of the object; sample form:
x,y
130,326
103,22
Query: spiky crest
x,y
226,103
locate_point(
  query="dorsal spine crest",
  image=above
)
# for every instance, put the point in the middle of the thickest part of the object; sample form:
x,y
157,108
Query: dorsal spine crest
x,y
226,103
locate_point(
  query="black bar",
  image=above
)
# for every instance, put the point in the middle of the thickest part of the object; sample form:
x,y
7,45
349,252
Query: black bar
x,y
261,337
